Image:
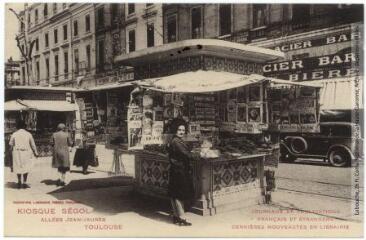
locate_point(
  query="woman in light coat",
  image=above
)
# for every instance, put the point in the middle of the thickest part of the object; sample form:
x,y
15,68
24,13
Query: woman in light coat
x,y
61,160
23,150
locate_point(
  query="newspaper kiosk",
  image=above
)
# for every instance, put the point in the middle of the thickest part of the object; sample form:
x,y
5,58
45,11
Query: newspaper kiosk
x,y
217,88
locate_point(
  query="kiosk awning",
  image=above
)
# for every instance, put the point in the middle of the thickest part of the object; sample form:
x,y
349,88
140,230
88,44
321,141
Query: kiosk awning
x,y
39,105
112,86
209,81
341,93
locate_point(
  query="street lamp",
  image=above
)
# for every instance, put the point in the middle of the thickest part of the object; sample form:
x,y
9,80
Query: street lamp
x,y
27,50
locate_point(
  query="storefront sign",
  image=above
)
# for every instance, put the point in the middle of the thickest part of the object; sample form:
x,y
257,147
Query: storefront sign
x,y
314,68
228,126
158,128
121,77
289,127
324,40
149,139
248,128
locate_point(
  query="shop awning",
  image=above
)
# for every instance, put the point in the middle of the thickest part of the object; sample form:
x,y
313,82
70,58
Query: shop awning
x,y
14,105
209,81
341,93
40,105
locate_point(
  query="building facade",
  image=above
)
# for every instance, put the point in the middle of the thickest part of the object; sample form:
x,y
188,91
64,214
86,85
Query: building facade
x,y
320,41
12,73
58,39
302,31
74,44
121,29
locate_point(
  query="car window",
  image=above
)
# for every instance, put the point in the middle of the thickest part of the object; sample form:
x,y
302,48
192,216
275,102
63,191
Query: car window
x,y
341,131
325,130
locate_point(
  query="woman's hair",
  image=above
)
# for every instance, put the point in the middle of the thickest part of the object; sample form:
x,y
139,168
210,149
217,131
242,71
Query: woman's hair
x,y
21,124
176,122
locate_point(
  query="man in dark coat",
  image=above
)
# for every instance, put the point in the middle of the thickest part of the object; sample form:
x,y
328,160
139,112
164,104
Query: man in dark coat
x,y
61,160
180,188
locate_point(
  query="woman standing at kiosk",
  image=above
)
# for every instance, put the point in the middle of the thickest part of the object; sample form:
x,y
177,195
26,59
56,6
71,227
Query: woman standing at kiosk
x,y
180,187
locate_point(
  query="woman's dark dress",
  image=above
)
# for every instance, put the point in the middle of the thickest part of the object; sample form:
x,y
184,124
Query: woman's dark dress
x,y
180,180
84,156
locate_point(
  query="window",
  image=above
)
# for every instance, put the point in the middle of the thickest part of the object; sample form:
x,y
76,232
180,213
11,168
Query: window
x,y
149,5
46,42
301,12
131,41
325,9
55,36
64,5
259,15
37,71
100,17
225,19
131,8
66,61
47,60
56,67
114,10
36,16
65,32
45,10
23,74
54,8
172,28
88,58
87,23
76,60
76,28
101,55
196,18
150,35
37,44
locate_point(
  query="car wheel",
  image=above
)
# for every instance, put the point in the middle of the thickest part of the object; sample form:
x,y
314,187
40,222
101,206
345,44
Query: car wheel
x,y
286,156
298,145
339,158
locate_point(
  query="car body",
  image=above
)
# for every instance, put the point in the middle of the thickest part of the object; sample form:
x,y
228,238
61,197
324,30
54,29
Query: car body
x,y
339,143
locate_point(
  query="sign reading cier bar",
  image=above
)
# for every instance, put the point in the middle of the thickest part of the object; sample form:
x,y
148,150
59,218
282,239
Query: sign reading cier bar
x,y
344,37
314,68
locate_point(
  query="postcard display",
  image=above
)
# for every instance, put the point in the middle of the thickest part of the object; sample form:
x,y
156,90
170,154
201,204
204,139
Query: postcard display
x,y
294,109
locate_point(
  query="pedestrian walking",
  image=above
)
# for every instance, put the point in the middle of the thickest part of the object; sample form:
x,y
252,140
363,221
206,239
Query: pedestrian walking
x,y
180,188
84,157
61,142
23,151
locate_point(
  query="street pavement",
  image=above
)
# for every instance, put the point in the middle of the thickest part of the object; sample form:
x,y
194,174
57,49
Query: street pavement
x,y
314,178
121,212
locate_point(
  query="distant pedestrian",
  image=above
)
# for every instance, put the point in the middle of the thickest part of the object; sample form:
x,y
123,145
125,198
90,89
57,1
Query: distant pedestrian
x,y
23,150
84,157
61,142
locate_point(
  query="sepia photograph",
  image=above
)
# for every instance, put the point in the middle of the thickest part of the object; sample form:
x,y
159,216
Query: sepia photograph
x,y
125,119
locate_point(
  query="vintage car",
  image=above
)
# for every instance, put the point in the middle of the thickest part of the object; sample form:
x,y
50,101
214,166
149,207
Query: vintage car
x,y
336,143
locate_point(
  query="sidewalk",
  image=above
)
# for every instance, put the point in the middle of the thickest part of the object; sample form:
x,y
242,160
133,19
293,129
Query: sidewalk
x,y
123,213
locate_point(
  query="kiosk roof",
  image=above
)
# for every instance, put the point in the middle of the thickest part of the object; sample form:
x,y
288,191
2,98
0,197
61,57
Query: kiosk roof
x,y
194,47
